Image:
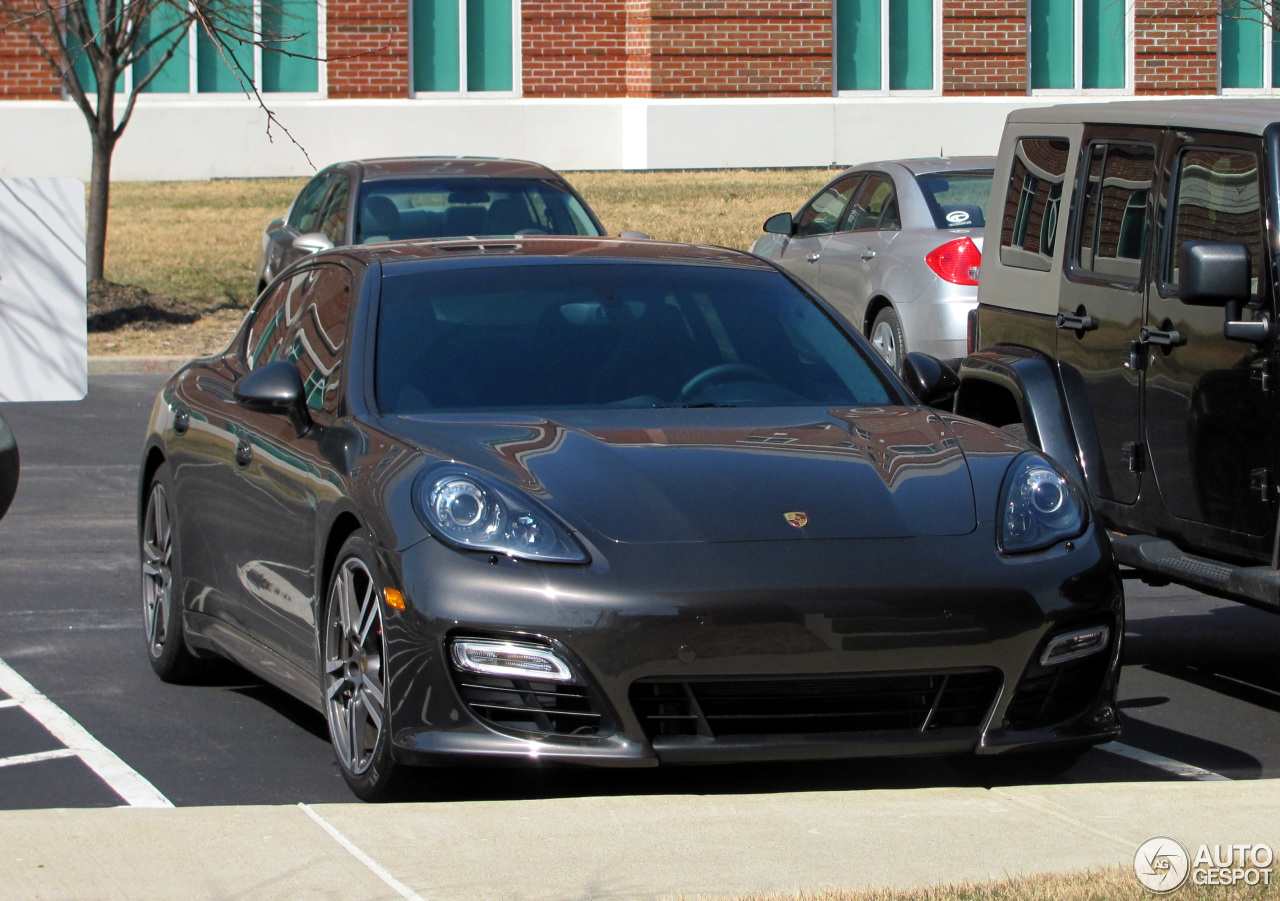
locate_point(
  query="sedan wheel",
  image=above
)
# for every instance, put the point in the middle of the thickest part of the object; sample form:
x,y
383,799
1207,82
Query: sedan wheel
x,y
887,338
354,679
166,645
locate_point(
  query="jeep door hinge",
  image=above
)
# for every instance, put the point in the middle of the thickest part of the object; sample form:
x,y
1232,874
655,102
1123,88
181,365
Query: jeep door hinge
x,y
1131,453
1260,484
1137,360
1260,372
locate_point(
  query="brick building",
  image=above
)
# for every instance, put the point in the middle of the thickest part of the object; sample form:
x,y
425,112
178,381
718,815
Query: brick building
x,y
791,67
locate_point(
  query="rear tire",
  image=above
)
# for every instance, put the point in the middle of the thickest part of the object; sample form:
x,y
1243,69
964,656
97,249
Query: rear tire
x,y
888,339
162,586
353,681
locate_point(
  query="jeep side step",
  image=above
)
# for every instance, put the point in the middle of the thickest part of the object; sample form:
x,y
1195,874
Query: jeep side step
x,y
1161,558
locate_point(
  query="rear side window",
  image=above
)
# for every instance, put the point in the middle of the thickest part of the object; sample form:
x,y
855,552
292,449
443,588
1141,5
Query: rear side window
x,y
1113,218
1217,198
1029,223
956,199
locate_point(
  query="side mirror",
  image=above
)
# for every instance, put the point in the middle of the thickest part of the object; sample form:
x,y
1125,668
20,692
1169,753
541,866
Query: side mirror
x,y
780,224
1217,274
632,235
8,466
276,388
312,242
930,379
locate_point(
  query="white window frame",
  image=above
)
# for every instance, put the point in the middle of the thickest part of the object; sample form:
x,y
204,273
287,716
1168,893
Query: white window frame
x,y
1130,25
517,61
193,69
1268,28
883,90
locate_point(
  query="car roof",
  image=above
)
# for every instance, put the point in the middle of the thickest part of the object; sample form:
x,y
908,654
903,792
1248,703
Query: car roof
x,y
549,247
926,165
1218,114
451,167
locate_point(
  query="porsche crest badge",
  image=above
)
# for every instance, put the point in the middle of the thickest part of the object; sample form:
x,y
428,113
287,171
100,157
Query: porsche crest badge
x,y
797,519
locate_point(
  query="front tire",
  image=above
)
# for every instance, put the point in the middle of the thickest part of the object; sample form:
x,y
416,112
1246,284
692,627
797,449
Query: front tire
x,y
161,586
354,678
888,339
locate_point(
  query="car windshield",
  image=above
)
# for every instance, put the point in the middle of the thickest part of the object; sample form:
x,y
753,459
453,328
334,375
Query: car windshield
x,y
524,336
457,207
957,199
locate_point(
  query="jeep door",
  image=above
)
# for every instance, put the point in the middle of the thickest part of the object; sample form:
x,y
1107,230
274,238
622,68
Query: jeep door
x,y
1208,414
1101,305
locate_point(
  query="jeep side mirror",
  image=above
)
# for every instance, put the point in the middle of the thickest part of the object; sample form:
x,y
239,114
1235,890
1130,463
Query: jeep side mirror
x,y
780,224
1217,274
276,388
930,379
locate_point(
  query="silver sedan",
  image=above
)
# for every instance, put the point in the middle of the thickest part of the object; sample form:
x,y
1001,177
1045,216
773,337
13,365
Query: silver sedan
x,y
895,246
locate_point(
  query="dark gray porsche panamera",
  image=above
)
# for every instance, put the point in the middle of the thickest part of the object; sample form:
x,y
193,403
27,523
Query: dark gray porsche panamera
x,y
611,503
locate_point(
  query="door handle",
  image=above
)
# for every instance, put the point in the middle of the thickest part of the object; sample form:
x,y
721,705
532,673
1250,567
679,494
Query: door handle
x,y
813,257
1077,322
244,452
1161,337
868,254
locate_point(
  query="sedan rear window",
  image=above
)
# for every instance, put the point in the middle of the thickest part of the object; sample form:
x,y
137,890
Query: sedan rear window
x,y
957,199
601,334
457,207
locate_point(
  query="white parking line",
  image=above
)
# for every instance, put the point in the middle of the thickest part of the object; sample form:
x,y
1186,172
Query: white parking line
x,y
122,779
374,867
1168,764
37,757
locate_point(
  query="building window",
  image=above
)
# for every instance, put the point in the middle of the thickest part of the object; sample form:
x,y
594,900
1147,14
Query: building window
x,y
1081,45
465,46
887,45
1249,60
200,66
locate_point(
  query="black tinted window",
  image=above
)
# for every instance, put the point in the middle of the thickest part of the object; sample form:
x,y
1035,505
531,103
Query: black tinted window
x,y
450,208
1217,199
305,214
822,215
1113,217
317,334
1029,225
596,334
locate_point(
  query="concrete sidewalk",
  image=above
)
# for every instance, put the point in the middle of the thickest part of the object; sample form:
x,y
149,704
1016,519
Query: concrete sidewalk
x,y
634,847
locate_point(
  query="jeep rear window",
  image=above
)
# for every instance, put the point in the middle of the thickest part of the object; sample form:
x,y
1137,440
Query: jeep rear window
x,y
1029,224
1113,224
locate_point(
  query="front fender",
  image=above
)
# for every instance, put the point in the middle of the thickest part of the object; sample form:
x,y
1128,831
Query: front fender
x,y
1009,384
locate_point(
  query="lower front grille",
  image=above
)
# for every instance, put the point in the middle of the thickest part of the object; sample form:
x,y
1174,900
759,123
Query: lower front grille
x,y
1051,695
782,705
525,705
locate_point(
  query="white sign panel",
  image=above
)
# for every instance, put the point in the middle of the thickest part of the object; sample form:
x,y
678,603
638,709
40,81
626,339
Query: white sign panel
x,y
43,339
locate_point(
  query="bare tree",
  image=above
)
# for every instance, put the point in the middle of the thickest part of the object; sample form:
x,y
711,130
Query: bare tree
x,y
135,36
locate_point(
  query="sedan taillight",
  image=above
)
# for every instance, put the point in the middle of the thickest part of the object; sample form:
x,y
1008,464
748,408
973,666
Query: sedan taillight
x,y
956,261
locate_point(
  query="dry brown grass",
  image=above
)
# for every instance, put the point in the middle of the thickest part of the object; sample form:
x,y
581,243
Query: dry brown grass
x,y
1100,884
198,240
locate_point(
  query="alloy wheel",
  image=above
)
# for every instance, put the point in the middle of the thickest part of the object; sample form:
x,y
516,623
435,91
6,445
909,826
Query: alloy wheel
x,y
885,342
157,569
354,651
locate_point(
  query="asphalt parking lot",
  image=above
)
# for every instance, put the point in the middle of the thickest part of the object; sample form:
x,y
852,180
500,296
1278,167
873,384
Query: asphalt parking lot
x,y
85,723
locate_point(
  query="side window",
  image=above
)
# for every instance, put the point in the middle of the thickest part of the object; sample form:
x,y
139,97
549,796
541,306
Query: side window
x,y
306,209
333,221
1029,224
1113,220
276,313
876,206
316,340
822,215
1216,198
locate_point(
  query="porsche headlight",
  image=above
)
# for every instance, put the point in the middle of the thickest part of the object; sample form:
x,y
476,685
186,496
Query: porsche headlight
x,y
479,514
1039,506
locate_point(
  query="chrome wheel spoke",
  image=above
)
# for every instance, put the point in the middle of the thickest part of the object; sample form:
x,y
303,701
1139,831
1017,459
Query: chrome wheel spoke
x,y
157,578
355,697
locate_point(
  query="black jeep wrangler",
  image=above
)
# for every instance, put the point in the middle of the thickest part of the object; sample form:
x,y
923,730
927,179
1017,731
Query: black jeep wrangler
x,y
1126,325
